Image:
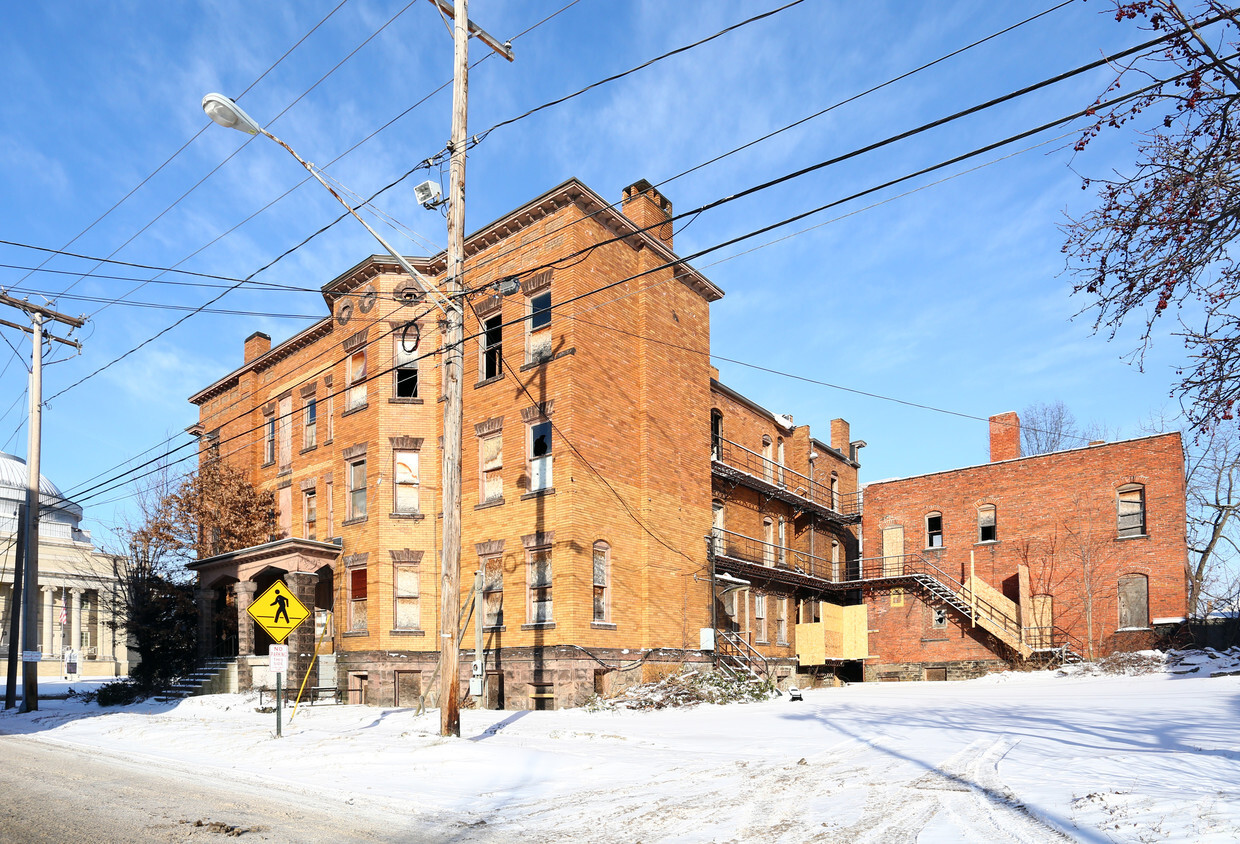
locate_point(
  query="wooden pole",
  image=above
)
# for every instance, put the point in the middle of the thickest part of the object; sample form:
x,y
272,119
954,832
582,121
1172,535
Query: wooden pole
x,y
453,361
30,637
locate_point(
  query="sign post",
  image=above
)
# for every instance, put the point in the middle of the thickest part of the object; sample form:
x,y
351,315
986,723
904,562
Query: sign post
x,y
279,613
278,662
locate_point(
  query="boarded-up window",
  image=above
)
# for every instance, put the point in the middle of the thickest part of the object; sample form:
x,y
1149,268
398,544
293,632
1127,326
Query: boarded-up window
x,y
357,598
406,588
286,433
540,585
408,688
356,396
937,674
491,460
1132,510
1134,602
405,473
285,506
602,564
493,590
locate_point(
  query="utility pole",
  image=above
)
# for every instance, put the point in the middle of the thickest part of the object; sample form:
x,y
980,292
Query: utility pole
x,y
30,608
453,361
15,610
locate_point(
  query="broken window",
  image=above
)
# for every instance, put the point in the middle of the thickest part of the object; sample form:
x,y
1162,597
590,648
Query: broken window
x,y
538,328
938,618
716,526
405,365
1131,510
539,565
934,530
602,575
986,529
716,435
540,456
493,590
490,365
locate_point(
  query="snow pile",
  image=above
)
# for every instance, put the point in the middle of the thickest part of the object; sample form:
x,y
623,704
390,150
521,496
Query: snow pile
x,y
1206,662
687,687
1119,665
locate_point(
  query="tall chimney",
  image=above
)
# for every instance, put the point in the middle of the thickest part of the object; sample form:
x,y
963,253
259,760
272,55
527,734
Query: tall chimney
x,y
647,207
1004,437
256,345
839,435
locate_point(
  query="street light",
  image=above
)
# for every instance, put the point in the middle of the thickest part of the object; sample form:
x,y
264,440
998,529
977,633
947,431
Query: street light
x,y
228,114
224,111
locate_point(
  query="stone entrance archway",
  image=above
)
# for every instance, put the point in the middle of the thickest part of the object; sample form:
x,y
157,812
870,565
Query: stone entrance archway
x,y
228,584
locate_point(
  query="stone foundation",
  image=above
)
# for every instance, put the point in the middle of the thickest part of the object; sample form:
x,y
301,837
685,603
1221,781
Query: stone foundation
x,y
959,670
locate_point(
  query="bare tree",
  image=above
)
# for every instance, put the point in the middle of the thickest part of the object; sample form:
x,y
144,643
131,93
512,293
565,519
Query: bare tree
x,y
1160,237
1090,552
1047,427
208,512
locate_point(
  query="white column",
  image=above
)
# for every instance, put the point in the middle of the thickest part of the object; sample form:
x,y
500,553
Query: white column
x,y
45,640
75,622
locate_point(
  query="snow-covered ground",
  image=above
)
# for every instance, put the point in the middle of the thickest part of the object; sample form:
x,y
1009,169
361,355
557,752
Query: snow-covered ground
x,y
1030,757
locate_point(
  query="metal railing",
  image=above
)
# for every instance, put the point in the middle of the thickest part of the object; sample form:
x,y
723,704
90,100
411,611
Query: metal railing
x,y
735,654
776,474
916,567
1054,642
772,555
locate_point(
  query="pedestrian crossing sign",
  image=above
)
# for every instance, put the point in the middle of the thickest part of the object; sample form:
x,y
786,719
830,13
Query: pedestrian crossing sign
x,y
278,611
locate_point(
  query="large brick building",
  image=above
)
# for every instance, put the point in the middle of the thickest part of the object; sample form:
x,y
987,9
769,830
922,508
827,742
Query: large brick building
x,y
1081,550
586,471
627,512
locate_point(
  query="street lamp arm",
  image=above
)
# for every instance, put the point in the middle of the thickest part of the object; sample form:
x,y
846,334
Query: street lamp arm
x,y
228,114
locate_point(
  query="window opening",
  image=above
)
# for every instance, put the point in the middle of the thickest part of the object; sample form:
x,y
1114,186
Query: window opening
x,y
540,585
406,367
492,347
357,489
602,566
406,481
357,598
1131,510
493,590
934,530
540,456
986,529
406,590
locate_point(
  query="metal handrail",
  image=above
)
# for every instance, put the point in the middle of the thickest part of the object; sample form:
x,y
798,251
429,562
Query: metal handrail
x,y
910,565
743,650
758,551
1057,639
777,474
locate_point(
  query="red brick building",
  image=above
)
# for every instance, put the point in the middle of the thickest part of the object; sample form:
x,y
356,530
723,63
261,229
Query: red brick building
x,y
968,569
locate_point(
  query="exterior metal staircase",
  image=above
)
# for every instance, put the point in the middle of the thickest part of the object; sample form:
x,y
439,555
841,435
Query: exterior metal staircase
x,y
738,659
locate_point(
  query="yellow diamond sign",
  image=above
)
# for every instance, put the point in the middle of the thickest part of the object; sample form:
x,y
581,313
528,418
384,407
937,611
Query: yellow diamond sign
x,y
278,611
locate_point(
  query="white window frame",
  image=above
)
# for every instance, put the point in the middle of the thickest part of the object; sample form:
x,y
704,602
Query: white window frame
x,y
540,467
401,591
538,338
357,494
491,472
358,614
601,592
309,513
310,423
406,482
404,362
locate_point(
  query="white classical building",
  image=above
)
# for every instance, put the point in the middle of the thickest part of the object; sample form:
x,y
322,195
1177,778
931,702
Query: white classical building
x,y
77,584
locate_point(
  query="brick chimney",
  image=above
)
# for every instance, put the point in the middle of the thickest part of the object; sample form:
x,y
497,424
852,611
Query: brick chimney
x,y
839,435
256,345
645,206
1004,437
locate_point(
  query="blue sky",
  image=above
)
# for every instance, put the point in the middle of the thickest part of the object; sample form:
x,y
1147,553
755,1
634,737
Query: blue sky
x,y
952,297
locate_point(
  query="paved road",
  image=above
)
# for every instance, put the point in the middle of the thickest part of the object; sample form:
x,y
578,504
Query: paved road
x,y
52,793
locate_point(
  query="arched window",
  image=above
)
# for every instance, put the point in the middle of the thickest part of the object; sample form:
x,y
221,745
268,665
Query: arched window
x,y
835,492
602,581
934,530
783,541
768,542
987,529
779,458
716,434
1130,505
768,465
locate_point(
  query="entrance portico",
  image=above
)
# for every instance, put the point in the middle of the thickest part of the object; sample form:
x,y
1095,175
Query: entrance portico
x,y
228,584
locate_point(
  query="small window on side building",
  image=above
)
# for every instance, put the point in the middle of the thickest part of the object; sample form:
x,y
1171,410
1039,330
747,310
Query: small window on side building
x,y
1131,507
934,530
602,577
987,529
